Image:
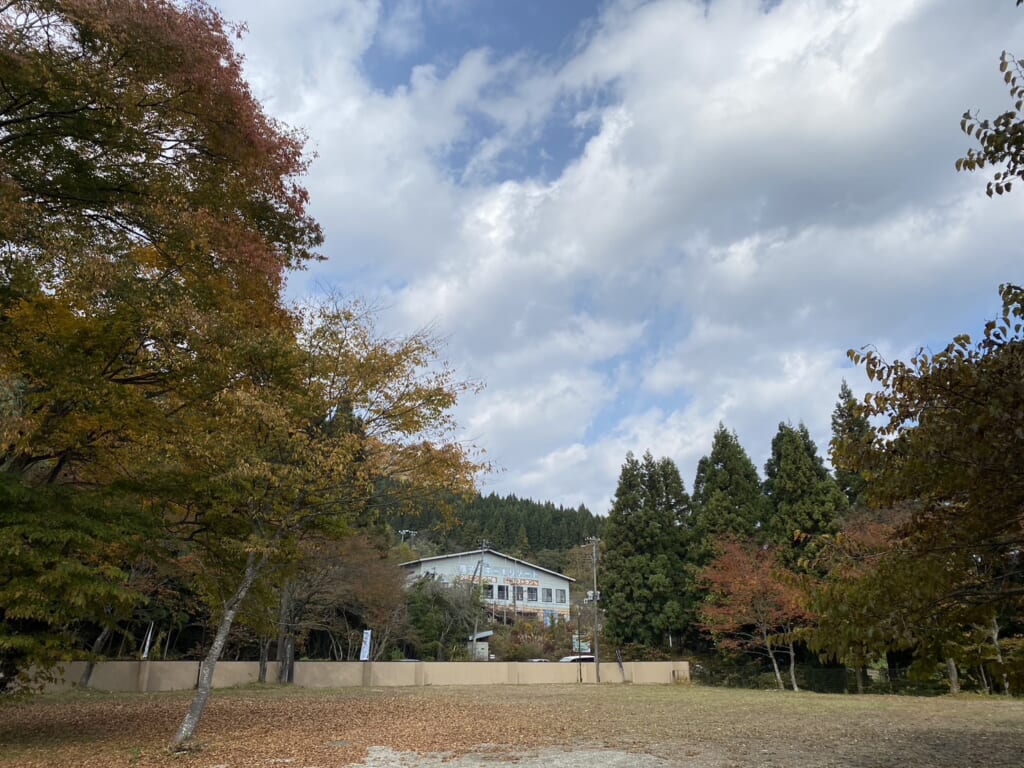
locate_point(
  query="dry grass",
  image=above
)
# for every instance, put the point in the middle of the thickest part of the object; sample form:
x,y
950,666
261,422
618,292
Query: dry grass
x,y
686,725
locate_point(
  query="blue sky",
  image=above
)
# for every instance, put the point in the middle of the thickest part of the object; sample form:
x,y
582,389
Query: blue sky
x,y
633,220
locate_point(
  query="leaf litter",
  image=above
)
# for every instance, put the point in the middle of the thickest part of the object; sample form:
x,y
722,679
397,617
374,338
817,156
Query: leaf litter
x,y
561,726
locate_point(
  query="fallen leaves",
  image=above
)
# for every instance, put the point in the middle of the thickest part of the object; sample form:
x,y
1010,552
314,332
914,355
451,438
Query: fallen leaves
x,y
690,725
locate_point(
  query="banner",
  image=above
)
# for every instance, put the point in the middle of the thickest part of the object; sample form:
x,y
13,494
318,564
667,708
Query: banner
x,y
364,651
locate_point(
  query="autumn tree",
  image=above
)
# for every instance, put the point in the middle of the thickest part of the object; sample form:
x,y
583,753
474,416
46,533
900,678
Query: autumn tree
x,y
946,458
367,426
338,588
753,603
858,619
876,604
645,537
1000,139
148,212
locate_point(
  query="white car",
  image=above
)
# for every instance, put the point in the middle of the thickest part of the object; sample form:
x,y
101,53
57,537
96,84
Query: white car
x,y
577,659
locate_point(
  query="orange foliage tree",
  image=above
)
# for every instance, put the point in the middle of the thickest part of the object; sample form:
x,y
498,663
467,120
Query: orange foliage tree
x,y
148,212
753,603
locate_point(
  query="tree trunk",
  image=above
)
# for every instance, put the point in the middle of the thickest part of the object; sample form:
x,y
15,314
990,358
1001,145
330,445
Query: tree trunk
x,y
90,665
860,678
999,656
285,641
264,654
954,677
792,666
289,674
775,662
167,642
205,683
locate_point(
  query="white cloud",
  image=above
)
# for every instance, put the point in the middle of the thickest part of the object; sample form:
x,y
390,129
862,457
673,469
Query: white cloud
x,y
401,32
757,193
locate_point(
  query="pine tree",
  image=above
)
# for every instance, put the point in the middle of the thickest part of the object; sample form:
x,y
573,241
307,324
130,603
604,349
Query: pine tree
x,y
805,500
849,425
727,495
642,571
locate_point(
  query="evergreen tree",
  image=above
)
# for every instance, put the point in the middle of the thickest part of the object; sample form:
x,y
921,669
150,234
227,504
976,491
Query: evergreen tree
x,y
642,571
849,425
805,500
522,543
727,495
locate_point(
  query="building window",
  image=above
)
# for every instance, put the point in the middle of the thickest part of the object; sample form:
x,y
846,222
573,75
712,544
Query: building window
x,y
546,594
531,594
489,591
559,595
519,594
502,592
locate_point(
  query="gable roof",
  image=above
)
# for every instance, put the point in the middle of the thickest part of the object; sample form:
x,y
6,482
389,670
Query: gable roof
x,y
493,552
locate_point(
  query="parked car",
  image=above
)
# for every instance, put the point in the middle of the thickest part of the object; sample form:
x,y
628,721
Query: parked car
x,y
577,659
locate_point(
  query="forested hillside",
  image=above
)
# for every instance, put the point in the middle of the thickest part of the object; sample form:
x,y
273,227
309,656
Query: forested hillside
x,y
537,531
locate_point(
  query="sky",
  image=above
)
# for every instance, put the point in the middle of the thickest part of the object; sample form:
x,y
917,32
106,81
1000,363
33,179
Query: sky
x,y
632,221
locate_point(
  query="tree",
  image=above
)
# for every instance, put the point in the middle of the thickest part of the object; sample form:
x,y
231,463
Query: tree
x,y
849,425
858,619
152,210
753,603
148,211
338,589
1001,139
727,494
947,454
441,619
805,500
874,603
366,428
62,555
645,536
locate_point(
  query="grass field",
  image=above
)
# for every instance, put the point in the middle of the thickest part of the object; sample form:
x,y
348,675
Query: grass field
x,y
646,725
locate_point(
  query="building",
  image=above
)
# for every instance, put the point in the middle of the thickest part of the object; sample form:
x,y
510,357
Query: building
x,y
510,586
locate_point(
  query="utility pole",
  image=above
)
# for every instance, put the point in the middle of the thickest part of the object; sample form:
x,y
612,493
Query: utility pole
x,y
579,643
484,546
597,597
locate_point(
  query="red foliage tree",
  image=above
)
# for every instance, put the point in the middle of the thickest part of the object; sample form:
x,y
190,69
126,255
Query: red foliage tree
x,y
754,604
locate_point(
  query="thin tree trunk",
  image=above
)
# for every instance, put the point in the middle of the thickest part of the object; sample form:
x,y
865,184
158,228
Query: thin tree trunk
x,y
792,666
124,641
954,676
289,675
984,679
205,683
167,642
775,663
90,665
860,678
999,656
264,654
284,634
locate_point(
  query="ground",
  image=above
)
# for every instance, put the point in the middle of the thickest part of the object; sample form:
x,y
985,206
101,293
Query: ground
x,y
570,726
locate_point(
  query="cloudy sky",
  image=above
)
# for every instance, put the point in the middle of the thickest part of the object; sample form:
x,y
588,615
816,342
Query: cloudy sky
x,y
633,220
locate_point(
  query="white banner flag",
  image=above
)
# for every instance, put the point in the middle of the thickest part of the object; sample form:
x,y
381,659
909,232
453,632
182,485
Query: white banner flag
x,y
364,651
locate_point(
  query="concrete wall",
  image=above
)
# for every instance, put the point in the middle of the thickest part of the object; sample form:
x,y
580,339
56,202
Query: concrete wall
x,y
182,675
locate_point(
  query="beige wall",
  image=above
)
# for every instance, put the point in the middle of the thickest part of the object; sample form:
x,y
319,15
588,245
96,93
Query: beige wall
x,y
329,674
182,675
